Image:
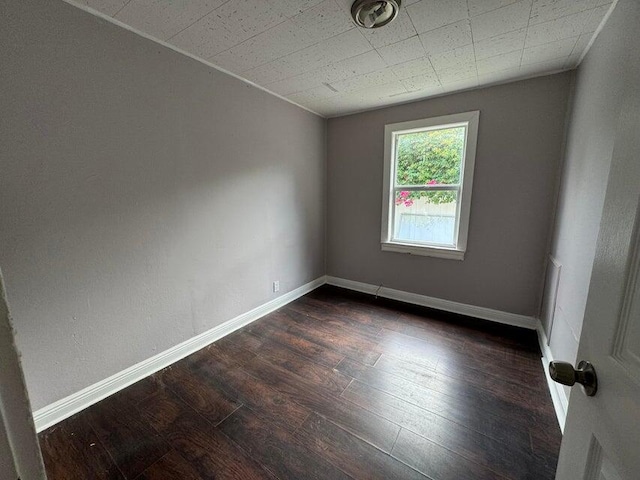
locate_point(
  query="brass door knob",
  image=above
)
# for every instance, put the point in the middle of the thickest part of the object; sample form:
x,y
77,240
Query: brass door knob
x,y
585,375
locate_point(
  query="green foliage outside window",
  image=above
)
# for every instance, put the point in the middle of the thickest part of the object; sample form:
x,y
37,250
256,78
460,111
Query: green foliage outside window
x,y
429,158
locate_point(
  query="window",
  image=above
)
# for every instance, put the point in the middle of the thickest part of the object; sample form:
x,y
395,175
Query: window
x,y
427,185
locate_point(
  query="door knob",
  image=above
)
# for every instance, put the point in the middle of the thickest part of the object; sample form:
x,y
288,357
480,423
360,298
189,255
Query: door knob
x,y
585,375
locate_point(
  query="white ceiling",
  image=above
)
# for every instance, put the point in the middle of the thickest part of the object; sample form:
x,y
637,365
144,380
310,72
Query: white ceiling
x,y
311,52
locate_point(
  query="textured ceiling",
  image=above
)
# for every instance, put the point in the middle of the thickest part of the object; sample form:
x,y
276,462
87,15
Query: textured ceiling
x,y
310,51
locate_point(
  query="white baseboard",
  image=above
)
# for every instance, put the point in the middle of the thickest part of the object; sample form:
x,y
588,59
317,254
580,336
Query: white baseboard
x,y
558,395
64,408
437,303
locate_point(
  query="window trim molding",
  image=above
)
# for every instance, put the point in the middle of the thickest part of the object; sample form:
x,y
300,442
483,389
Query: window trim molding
x,y
470,118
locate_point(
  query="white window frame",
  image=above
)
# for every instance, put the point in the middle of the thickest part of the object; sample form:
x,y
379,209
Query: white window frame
x,y
468,119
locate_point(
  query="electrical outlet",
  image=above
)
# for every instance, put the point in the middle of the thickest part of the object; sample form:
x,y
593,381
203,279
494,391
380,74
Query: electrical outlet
x,y
276,286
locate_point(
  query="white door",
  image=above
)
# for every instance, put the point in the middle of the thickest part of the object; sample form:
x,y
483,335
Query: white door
x,y
7,464
602,433
19,450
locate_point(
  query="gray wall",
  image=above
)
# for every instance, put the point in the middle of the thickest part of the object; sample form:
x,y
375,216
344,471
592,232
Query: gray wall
x,y
518,154
599,84
144,197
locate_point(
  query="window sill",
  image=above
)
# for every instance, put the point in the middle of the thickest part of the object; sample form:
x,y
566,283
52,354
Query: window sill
x,y
450,253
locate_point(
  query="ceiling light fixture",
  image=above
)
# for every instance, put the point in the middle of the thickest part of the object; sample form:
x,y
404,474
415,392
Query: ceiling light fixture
x,y
374,13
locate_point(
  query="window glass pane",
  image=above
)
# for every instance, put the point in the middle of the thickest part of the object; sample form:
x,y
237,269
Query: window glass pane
x,y
430,157
425,217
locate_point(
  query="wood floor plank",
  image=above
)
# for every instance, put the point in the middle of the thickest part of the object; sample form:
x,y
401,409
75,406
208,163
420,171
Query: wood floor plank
x,y
467,357
507,389
437,462
249,341
416,319
509,459
354,456
545,443
139,391
352,307
503,405
312,330
277,449
171,467
420,418
520,369
457,327
436,337
334,322
195,388
215,358
474,345
210,452
72,451
461,367
422,373
244,339
328,378
306,348
359,421
337,316
227,377
333,326
528,363
231,353
392,341
260,395
132,444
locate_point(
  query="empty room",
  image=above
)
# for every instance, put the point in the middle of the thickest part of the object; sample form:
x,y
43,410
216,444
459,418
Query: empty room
x,y
319,239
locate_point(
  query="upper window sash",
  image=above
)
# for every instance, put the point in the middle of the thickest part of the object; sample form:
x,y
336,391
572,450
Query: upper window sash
x,y
434,127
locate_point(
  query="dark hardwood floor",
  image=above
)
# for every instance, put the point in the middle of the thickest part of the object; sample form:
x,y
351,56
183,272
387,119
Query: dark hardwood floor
x,y
336,385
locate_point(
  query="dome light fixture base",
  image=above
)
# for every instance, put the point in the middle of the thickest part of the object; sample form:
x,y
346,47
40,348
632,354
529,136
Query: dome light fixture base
x,y
374,13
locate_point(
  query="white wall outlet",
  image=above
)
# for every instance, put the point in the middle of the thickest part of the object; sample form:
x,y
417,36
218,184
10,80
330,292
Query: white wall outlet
x,y
276,286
